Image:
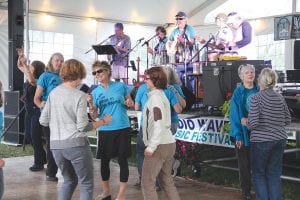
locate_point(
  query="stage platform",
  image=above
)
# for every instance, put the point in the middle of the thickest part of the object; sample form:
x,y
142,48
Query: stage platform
x,y
20,183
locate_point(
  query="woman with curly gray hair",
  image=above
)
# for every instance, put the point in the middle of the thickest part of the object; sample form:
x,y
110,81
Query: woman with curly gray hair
x,y
239,109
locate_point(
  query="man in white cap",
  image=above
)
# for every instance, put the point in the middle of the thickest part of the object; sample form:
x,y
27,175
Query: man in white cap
x,y
243,35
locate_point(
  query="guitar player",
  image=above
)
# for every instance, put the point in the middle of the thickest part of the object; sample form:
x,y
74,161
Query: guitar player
x,y
182,37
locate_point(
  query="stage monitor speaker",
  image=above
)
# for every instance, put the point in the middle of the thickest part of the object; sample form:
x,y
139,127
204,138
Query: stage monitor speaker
x,y
221,78
15,39
14,119
297,54
293,76
189,97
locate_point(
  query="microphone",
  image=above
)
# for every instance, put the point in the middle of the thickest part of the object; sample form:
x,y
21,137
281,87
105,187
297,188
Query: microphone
x,y
166,25
139,40
212,37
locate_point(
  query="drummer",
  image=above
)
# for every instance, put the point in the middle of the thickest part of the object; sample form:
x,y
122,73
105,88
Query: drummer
x,y
160,52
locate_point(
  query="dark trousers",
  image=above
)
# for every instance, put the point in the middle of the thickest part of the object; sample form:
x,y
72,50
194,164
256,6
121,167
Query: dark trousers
x,y
140,149
51,165
243,157
34,133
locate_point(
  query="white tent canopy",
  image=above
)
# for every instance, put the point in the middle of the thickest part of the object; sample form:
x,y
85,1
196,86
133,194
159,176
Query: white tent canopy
x,y
49,18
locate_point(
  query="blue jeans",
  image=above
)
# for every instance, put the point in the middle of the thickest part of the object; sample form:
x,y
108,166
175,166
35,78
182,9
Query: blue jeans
x,y
1,183
266,165
140,148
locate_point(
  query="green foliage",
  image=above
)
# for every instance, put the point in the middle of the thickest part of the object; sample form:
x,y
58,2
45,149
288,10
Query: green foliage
x,y
7,151
225,108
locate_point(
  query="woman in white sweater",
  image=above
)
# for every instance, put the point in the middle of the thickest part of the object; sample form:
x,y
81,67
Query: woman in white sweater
x,y
158,138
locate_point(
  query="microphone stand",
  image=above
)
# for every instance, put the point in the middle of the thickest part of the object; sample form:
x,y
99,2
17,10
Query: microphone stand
x,y
204,46
185,61
97,44
127,55
147,45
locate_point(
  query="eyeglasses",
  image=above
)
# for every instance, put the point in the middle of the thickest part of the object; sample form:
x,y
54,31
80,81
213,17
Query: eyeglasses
x,y
180,18
99,71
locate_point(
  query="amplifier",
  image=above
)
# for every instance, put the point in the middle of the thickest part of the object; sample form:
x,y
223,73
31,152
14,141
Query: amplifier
x,y
292,99
293,76
220,78
13,120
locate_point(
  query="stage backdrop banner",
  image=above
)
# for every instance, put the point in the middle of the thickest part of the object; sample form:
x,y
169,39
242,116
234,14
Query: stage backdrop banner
x,y
204,130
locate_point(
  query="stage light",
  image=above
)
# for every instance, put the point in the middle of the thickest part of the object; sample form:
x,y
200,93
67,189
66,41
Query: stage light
x,y
47,18
92,23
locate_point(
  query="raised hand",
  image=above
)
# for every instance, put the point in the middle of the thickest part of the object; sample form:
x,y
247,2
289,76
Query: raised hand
x,y
22,61
129,102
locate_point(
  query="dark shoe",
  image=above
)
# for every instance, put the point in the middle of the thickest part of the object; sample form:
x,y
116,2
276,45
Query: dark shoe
x,y
35,168
51,178
107,198
100,197
137,184
247,197
157,186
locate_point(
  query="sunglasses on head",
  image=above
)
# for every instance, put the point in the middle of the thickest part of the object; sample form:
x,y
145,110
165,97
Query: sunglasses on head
x,y
99,71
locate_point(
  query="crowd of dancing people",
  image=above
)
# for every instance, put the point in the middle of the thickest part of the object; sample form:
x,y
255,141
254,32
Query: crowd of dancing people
x,y
56,109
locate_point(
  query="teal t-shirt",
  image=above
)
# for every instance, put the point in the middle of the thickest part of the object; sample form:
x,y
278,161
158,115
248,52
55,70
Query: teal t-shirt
x,y
189,32
141,98
111,101
246,99
48,81
174,115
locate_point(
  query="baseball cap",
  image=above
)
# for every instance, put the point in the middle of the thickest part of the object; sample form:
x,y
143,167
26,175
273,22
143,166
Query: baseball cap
x,y
180,14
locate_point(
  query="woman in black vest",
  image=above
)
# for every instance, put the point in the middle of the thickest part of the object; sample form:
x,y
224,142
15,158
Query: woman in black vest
x,y
33,129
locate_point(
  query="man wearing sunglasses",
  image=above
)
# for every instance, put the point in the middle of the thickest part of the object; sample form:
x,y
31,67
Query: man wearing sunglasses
x,y
183,32
180,46
243,35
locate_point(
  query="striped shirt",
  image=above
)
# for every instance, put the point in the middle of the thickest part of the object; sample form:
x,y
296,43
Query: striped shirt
x,y
268,116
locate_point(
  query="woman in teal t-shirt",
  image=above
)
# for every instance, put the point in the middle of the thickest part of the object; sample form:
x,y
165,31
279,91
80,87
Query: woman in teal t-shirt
x,y
49,80
111,98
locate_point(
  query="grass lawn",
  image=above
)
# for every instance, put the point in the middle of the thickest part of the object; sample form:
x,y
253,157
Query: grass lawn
x,y
209,174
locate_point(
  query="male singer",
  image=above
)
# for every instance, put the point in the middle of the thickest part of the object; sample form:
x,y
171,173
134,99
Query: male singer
x,y
120,61
183,34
